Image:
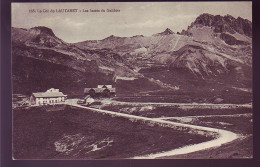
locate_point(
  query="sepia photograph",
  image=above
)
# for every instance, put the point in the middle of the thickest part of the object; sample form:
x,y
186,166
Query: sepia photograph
x,y
132,80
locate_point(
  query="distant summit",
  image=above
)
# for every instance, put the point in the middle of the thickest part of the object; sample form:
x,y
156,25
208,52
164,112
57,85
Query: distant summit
x,y
167,31
222,24
38,36
137,36
214,54
42,30
113,38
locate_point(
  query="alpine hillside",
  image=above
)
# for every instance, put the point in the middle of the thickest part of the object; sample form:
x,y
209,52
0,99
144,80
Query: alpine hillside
x,y
210,60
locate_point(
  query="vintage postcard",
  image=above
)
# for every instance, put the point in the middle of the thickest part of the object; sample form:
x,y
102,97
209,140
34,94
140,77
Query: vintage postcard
x,y
132,80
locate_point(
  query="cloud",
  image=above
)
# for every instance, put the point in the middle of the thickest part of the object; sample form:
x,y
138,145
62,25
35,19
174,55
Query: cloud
x,y
133,18
162,22
74,23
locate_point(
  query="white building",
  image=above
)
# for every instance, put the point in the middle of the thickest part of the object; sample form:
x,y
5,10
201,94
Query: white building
x,y
51,96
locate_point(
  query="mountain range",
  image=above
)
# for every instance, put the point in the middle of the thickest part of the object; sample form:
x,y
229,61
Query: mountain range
x,y
212,57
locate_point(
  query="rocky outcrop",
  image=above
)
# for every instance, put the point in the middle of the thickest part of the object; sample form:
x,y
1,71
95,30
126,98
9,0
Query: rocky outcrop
x,y
42,30
167,31
40,36
227,23
230,40
165,57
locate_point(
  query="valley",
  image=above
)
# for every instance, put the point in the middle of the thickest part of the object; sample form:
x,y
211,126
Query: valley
x,y
181,94
197,58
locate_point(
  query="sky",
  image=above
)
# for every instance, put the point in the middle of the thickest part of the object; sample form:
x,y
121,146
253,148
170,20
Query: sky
x,y
134,18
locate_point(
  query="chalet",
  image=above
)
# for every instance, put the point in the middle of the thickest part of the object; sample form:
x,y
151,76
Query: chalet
x,y
100,90
51,96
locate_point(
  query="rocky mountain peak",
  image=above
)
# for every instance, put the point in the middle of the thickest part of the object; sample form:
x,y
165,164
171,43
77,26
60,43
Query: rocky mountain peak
x,y
113,37
167,31
42,30
222,24
137,36
206,19
229,17
41,36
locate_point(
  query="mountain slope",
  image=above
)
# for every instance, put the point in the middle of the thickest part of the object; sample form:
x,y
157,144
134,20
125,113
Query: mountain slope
x,y
215,52
41,60
208,51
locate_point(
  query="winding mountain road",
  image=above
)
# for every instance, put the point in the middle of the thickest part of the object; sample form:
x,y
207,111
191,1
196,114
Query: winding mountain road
x,y
223,136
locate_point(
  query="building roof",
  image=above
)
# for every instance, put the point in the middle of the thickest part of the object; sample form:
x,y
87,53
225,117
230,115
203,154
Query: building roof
x,y
104,86
49,94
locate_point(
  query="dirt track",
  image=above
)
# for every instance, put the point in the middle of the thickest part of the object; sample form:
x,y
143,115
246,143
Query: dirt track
x,y
187,105
223,136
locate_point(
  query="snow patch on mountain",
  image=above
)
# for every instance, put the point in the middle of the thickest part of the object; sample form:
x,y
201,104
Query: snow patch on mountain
x,y
106,68
140,50
125,78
